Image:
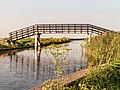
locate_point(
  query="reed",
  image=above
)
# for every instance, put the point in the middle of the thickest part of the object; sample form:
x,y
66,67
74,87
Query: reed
x,y
103,49
103,53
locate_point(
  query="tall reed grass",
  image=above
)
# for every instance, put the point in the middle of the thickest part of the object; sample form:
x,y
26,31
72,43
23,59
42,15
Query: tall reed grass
x,y
104,48
103,53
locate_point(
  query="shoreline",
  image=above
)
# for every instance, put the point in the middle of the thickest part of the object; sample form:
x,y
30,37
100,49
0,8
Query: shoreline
x,y
7,49
67,79
15,48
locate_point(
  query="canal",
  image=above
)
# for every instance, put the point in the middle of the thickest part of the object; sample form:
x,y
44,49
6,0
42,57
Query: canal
x,y
20,71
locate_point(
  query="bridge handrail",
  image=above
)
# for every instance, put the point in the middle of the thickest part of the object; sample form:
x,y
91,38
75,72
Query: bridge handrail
x,y
56,28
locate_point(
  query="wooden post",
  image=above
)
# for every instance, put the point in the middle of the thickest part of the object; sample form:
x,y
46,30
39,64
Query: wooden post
x,y
36,42
36,45
37,39
89,36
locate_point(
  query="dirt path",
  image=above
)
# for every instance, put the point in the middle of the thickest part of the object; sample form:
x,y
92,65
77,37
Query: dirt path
x,y
67,79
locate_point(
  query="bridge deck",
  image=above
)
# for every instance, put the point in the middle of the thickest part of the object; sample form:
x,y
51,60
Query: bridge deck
x,y
56,28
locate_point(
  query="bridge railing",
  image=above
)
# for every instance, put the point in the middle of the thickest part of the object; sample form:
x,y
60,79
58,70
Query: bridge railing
x,y
23,33
55,28
62,28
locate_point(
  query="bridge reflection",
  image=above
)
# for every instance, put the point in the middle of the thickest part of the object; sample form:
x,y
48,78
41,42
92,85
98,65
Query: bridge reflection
x,y
27,67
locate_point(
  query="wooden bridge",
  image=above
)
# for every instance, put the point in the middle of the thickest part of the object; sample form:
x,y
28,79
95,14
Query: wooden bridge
x,y
55,28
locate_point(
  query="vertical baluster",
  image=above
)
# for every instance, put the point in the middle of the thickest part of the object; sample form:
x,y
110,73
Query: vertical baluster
x,y
81,28
74,28
87,28
16,35
22,32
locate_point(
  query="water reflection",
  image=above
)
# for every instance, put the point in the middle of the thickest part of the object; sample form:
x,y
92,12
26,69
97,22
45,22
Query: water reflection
x,y
24,71
39,69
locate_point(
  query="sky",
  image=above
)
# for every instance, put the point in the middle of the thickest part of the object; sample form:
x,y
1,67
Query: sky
x,y
17,14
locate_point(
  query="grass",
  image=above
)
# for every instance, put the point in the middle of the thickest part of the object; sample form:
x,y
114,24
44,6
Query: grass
x,y
104,48
30,42
3,43
103,78
103,53
106,77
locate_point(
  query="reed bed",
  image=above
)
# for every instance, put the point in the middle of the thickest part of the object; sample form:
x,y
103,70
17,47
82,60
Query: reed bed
x,y
103,53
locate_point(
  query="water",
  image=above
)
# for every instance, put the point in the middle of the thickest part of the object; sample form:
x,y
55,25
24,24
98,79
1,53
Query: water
x,y
20,71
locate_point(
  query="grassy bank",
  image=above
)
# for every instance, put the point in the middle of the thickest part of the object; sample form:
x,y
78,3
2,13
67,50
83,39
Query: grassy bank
x,y
30,42
3,43
103,53
103,49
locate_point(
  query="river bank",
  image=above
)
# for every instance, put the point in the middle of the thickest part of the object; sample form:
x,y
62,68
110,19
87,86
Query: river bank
x,y
103,53
29,42
68,79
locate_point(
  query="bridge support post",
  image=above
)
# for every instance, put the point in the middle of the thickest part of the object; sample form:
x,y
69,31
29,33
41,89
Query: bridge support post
x,y
37,39
36,42
89,36
37,54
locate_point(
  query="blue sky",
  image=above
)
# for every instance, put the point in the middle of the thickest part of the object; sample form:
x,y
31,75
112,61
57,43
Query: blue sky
x,y
16,14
